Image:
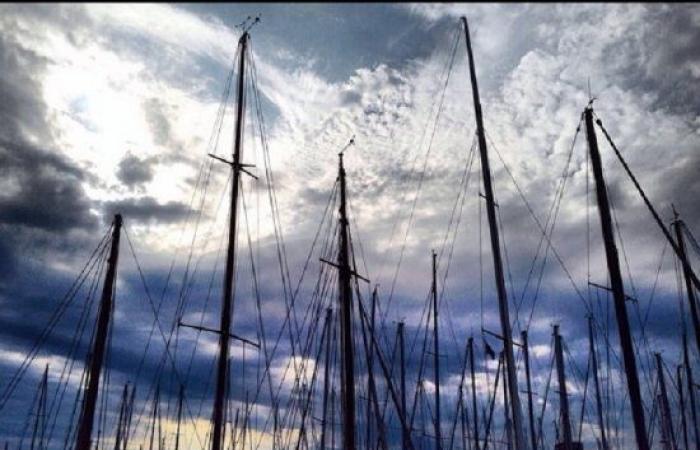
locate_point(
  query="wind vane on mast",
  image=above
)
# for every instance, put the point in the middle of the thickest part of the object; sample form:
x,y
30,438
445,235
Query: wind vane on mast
x,y
350,143
248,23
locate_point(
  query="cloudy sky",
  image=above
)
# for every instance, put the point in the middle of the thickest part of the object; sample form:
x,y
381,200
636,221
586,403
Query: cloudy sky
x,y
113,108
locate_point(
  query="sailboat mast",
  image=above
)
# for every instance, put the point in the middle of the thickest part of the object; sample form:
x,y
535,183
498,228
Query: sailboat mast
x,y
512,378
154,418
127,422
563,396
692,301
506,415
436,356
326,380
617,285
691,389
528,381
96,357
669,440
227,307
475,414
121,422
677,223
40,417
596,384
681,405
180,398
345,299
371,388
402,363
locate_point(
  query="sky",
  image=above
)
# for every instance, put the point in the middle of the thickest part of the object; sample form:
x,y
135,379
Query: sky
x,y
109,108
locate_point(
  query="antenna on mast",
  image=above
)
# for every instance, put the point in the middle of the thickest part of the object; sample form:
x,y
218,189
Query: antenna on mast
x,y
350,143
248,23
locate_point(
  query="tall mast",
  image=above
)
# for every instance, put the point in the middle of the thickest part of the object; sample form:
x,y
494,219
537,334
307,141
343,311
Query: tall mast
x,y
345,299
333,417
506,415
475,414
227,307
530,410
681,405
40,418
96,357
690,292
402,364
154,418
596,384
436,357
617,285
461,406
691,389
180,398
512,379
127,422
563,396
121,422
493,401
666,421
370,372
692,301
326,381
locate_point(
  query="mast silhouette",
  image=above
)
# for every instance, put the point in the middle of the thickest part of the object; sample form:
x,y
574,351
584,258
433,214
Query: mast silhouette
x,y
530,406
436,356
224,331
180,398
617,286
512,379
96,356
596,384
40,419
121,422
155,418
326,381
402,364
690,292
475,413
665,418
345,299
691,389
681,404
563,396
506,415
692,301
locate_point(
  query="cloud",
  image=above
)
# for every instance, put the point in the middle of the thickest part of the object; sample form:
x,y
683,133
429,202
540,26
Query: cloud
x,y
133,171
43,190
147,210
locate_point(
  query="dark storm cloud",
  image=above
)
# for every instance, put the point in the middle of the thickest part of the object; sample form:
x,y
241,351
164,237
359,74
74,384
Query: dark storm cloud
x,y
671,67
42,203
134,171
684,189
45,190
147,210
21,109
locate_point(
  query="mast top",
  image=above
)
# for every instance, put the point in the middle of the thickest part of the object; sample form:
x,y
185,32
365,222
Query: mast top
x,y
351,142
247,24
676,215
